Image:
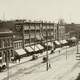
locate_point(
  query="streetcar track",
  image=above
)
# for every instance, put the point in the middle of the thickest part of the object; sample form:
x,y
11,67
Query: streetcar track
x,y
38,57
72,69
33,66
37,64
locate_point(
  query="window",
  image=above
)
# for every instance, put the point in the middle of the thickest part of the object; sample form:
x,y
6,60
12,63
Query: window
x,y
0,54
15,45
0,43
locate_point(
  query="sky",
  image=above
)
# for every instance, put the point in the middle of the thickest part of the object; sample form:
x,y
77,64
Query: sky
x,y
49,10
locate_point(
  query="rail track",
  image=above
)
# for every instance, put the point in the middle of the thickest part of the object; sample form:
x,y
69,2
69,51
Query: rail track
x,y
33,66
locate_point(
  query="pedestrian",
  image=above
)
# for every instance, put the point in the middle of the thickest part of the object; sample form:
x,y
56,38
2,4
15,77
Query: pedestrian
x,y
59,51
49,65
19,59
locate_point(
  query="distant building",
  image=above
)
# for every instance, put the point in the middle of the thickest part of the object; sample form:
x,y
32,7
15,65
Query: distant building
x,y
33,35
73,29
60,31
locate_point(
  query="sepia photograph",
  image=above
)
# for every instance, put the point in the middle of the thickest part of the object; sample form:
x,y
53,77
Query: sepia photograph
x,y
39,40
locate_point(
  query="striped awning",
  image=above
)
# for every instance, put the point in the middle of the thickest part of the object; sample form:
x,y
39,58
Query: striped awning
x,y
63,41
20,51
35,47
29,49
49,43
57,42
39,46
73,38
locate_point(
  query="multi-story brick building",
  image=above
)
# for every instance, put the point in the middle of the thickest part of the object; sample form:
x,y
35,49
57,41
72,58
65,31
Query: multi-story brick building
x,y
37,32
32,35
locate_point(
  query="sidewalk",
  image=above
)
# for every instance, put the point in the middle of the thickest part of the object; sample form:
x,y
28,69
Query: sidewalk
x,y
26,59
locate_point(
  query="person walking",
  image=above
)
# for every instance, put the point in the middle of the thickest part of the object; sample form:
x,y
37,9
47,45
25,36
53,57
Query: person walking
x,y
19,59
59,51
50,65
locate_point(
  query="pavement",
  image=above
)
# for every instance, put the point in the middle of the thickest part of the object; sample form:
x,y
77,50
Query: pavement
x,y
25,59
60,68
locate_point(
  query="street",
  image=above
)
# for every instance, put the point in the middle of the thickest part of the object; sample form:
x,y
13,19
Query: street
x,y
64,66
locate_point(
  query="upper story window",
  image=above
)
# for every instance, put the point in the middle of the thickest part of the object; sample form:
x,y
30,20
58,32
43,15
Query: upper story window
x,y
0,54
32,27
18,28
7,42
37,27
26,27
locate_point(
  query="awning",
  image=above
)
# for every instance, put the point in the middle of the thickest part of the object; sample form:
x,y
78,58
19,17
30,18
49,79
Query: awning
x,y
39,46
35,47
47,51
57,42
20,51
63,41
73,38
49,43
0,58
29,49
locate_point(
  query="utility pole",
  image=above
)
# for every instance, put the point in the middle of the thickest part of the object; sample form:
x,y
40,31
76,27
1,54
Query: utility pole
x,y
47,49
77,42
7,66
58,31
34,36
78,54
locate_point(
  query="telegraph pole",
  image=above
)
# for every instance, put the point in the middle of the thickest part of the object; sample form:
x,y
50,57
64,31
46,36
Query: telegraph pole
x,y
34,36
7,66
47,50
77,42
78,54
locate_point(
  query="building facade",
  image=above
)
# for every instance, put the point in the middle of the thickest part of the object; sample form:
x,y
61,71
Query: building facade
x,y
37,32
29,36
6,46
61,30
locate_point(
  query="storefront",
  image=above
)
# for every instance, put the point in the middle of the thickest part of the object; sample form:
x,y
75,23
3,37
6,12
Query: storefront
x,y
57,44
63,43
29,50
6,45
20,52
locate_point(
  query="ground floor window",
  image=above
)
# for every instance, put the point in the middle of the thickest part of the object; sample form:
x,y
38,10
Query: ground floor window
x,y
0,57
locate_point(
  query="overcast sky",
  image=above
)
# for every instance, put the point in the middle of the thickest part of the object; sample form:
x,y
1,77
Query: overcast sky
x,y
41,9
